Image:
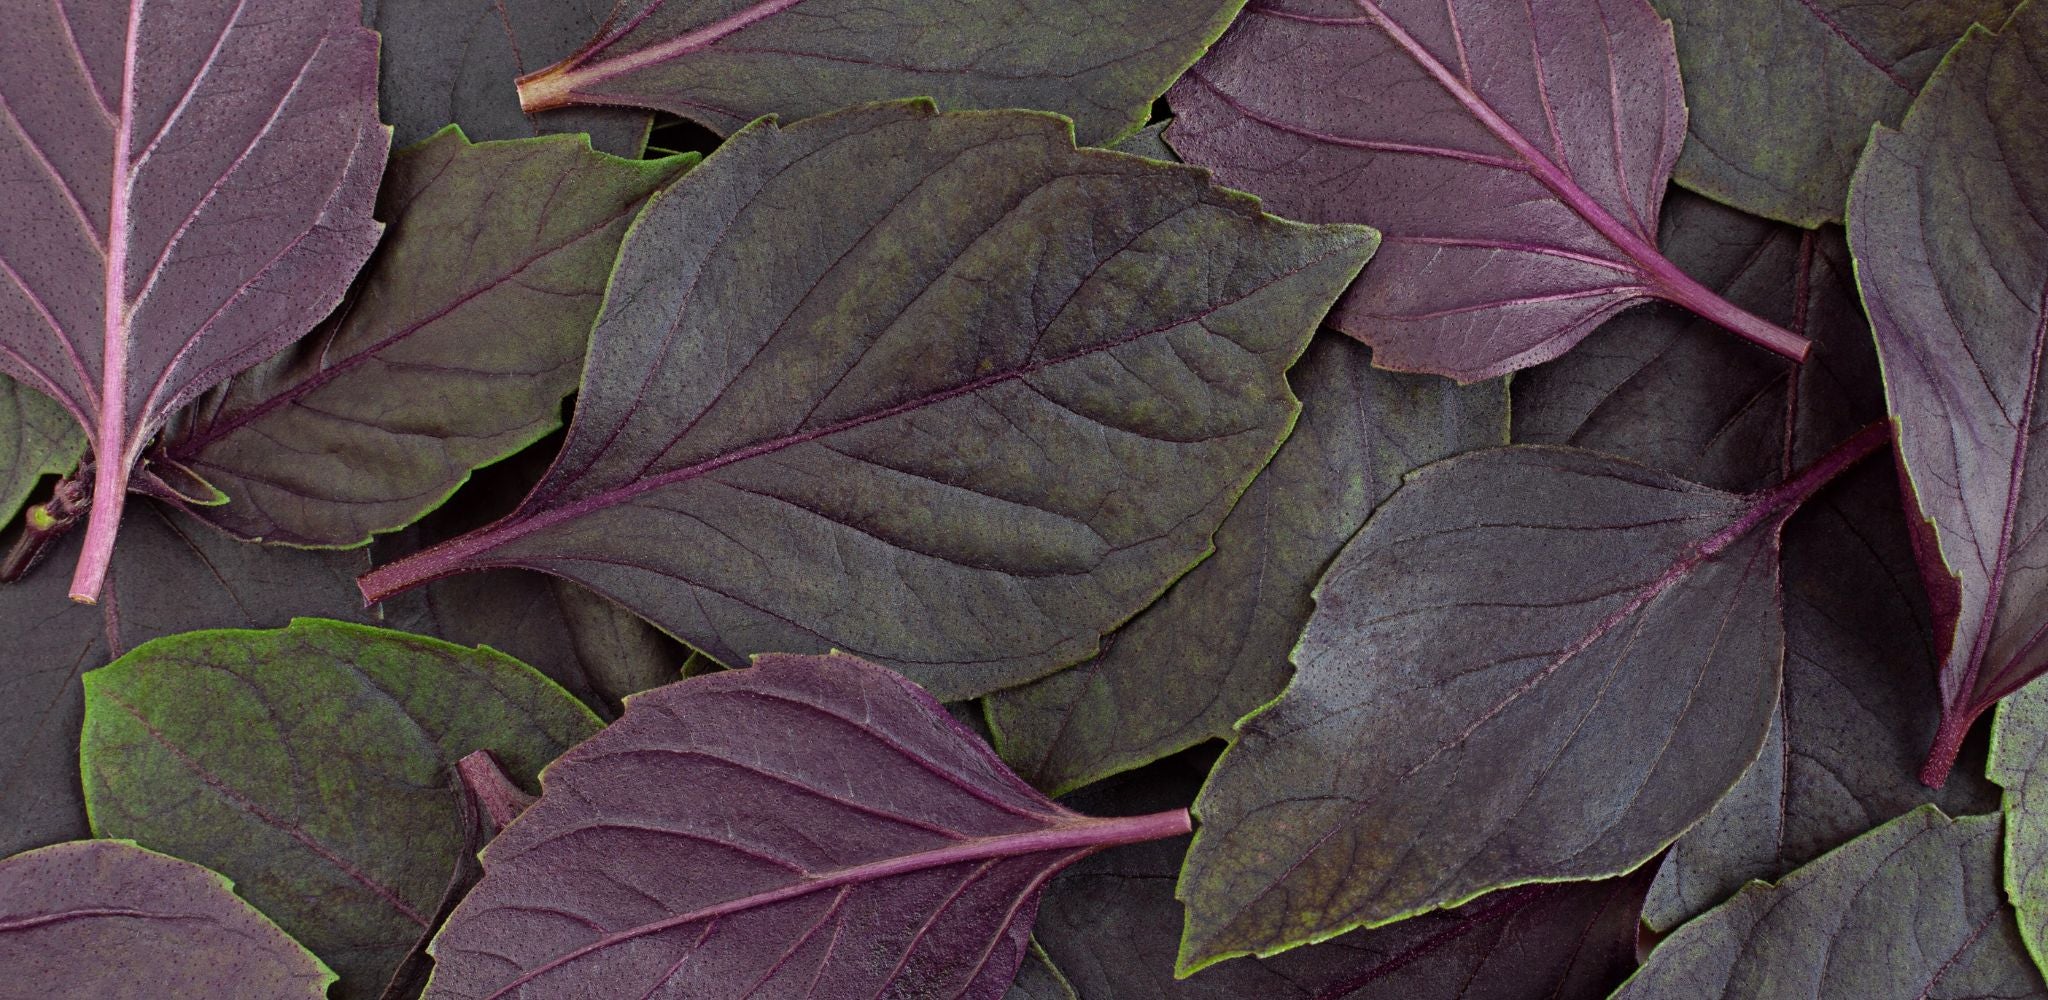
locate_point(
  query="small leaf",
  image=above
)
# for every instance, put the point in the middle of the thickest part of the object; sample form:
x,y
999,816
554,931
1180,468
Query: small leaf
x,y
1532,664
1514,155
1908,911
1952,254
37,439
2019,763
809,823
1783,93
454,62
456,349
1039,979
108,920
189,191
724,63
1149,142
960,418
310,764
1214,648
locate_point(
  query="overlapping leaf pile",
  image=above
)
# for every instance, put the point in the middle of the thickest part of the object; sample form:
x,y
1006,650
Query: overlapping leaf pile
x,y
783,444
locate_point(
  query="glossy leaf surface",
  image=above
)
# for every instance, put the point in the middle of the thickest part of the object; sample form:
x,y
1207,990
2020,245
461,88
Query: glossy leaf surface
x,y
1783,92
1515,156
455,349
961,418
37,439
1215,647
454,62
1908,911
1947,222
2019,763
109,920
724,63
311,765
1531,664
809,823
190,189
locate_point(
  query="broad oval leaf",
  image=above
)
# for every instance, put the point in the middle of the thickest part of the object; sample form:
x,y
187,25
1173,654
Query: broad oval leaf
x,y
37,439
808,823
108,920
1783,92
311,764
1214,648
1947,223
190,190
455,349
2019,763
724,63
454,62
1532,664
960,418
1909,911
1514,155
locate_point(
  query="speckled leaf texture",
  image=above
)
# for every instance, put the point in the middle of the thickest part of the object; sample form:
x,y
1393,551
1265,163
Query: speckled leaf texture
x,y
1859,705
1514,155
37,439
1783,92
723,63
455,349
108,920
1946,220
1909,911
961,418
1215,647
806,826
311,764
171,574
2019,763
190,190
454,62
1531,664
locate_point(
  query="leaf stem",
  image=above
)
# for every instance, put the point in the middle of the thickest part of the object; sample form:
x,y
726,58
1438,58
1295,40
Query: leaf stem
x,y
1676,286
1948,742
102,520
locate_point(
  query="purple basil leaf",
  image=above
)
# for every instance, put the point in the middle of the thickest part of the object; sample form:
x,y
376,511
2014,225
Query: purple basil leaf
x,y
453,62
1214,648
1514,156
1783,92
1947,221
1531,664
108,920
171,574
2019,763
1039,979
723,63
310,764
37,439
190,189
455,350
808,823
960,418
1909,911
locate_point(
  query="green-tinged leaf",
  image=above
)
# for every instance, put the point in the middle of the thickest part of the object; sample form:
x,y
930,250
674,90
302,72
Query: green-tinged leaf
x,y
1149,142
723,63
961,418
1215,646
454,62
2019,763
1039,979
455,350
310,764
1782,93
108,920
1531,664
170,574
1909,911
37,439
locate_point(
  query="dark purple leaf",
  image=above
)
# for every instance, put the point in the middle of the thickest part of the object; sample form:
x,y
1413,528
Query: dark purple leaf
x,y
1909,911
809,823
454,62
190,189
960,418
724,63
1949,221
1532,664
1039,979
108,920
1514,156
